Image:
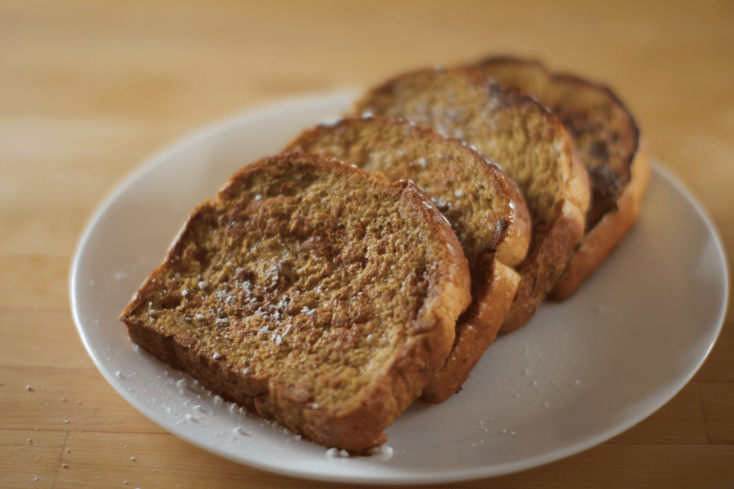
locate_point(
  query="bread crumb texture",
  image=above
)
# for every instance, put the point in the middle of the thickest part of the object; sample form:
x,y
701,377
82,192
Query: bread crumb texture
x,y
511,129
302,275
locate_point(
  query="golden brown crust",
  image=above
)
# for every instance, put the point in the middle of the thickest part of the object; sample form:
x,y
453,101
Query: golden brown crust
x,y
530,144
317,363
608,140
476,330
543,264
601,240
484,207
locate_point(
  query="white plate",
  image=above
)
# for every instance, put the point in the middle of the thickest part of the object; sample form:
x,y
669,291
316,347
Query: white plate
x,y
578,374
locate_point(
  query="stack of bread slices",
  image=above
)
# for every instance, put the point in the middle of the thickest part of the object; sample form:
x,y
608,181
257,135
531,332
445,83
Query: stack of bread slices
x,y
375,260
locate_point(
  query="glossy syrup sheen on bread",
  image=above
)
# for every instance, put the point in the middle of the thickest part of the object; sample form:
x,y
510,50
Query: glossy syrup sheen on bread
x,y
310,293
525,139
608,140
483,205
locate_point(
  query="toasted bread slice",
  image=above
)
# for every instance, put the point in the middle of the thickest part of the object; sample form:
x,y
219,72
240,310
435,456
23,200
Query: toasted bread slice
x,y
609,142
526,140
483,205
311,293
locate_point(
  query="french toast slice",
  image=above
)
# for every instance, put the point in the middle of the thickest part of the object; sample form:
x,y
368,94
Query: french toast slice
x,y
608,140
483,205
526,140
311,293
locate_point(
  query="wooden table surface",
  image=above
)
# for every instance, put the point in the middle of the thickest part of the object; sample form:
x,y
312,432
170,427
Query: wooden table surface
x,y
90,89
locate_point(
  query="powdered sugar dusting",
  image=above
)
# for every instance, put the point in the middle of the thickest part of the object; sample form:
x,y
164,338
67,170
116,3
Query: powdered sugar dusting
x,y
384,453
335,453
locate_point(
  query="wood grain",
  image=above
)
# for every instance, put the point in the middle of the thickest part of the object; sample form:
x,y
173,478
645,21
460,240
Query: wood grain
x,y
90,89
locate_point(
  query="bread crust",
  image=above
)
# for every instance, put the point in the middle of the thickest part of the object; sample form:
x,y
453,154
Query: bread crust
x,y
606,235
545,262
476,330
355,424
616,156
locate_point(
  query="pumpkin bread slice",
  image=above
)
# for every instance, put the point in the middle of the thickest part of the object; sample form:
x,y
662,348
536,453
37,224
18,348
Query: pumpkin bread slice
x,y
310,293
608,140
482,204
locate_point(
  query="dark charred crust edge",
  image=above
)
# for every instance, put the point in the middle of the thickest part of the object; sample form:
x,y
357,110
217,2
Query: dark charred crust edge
x,y
564,77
